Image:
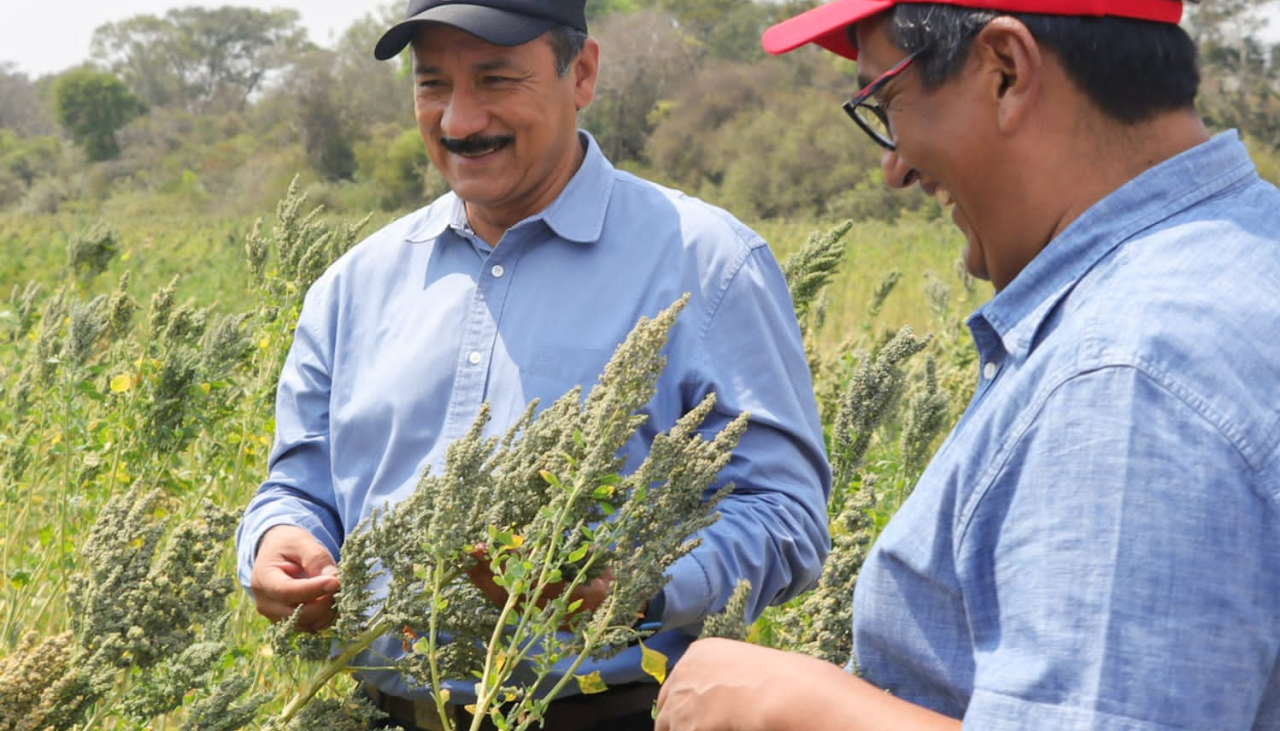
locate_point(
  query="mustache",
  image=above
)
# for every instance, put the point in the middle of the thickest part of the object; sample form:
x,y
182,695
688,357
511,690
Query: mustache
x,y
473,145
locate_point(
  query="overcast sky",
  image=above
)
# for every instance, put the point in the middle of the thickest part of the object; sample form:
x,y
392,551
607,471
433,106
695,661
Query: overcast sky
x,y
47,36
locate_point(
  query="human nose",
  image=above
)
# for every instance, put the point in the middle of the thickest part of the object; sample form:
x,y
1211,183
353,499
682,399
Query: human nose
x,y
463,115
898,173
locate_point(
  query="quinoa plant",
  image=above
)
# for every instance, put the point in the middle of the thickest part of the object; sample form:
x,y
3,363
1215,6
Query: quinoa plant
x,y
545,510
881,417
141,422
148,614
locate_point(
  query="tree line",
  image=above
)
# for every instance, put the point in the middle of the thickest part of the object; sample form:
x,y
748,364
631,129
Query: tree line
x,y
216,109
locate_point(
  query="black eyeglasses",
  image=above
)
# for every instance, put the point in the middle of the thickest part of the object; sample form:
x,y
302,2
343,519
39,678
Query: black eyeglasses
x,y
869,115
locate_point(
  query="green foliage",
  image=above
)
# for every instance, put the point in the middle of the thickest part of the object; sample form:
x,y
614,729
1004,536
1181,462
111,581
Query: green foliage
x,y
199,59
23,109
133,400
240,102
648,59
130,433
91,106
398,168
1240,87
23,162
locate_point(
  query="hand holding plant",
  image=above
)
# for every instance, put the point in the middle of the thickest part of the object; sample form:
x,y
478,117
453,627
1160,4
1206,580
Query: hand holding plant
x,y
545,519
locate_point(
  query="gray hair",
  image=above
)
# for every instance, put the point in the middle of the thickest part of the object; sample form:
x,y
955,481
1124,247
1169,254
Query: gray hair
x,y
566,43
1130,69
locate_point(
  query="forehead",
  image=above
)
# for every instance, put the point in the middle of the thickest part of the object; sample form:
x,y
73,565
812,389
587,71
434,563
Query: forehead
x,y
876,53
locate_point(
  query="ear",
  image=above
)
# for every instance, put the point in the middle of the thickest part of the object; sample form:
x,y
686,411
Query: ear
x,y
585,69
1012,69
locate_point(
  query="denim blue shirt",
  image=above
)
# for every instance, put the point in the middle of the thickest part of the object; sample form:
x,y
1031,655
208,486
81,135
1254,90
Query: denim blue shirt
x,y
1097,543
401,341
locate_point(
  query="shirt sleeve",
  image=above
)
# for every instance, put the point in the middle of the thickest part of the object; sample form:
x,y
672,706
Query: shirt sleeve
x,y
299,486
1119,568
772,529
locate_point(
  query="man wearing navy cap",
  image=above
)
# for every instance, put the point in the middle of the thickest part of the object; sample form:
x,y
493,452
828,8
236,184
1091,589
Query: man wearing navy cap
x,y
1097,544
518,285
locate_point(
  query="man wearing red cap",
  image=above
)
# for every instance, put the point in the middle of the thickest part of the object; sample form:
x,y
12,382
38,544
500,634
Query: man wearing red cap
x,y
516,286
1097,544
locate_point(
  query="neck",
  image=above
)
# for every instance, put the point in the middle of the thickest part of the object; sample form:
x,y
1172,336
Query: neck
x,y
491,221
1069,166
1106,154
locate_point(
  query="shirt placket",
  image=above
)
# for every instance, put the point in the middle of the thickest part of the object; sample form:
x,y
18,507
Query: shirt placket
x,y
480,334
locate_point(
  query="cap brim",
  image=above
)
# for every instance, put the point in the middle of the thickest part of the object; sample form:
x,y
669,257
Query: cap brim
x,y
825,25
499,27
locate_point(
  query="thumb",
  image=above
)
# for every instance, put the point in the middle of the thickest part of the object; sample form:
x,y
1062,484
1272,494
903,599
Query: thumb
x,y
317,562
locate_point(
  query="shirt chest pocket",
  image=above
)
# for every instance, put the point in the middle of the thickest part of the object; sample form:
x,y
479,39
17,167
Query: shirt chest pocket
x,y
551,370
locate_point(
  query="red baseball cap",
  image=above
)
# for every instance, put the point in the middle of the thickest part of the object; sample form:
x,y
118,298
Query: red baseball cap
x,y
826,24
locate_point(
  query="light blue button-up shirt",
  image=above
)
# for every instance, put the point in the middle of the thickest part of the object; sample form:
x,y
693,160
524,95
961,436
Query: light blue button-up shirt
x,y
1097,543
401,341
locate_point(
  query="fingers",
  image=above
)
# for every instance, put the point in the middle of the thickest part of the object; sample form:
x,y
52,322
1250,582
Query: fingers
x,y
293,569
316,614
481,575
594,592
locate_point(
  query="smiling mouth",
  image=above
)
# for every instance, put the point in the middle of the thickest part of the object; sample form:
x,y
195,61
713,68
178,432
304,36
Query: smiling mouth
x,y
473,147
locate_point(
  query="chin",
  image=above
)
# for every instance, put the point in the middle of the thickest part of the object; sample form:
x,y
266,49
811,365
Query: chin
x,y
974,262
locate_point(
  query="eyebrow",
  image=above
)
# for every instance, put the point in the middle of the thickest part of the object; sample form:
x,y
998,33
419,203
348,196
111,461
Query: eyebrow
x,y
497,64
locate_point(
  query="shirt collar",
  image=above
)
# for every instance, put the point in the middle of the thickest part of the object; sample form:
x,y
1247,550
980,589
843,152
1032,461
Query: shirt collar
x,y
1016,313
577,214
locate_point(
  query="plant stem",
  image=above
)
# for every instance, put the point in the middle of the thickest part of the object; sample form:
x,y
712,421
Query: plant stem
x,y
377,628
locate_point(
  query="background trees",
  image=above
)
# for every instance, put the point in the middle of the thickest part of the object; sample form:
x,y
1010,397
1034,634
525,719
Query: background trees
x,y
200,59
92,106
238,100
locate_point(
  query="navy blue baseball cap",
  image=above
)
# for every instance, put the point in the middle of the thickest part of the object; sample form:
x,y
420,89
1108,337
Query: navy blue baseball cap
x,y
500,22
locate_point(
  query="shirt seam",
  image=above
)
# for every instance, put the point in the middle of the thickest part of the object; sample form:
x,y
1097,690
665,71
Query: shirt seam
x,y
713,304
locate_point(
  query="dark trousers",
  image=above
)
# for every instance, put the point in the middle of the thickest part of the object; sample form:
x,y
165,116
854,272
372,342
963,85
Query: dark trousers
x,y
622,708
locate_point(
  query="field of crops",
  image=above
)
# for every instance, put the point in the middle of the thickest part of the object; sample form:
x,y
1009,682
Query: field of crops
x,y
138,359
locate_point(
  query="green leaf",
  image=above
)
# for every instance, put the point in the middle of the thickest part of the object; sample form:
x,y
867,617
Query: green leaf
x,y
88,389
591,683
19,579
551,479
654,663
578,554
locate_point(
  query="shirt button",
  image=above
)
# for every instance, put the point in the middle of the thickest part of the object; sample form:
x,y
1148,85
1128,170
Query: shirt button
x,y
497,271
475,357
990,370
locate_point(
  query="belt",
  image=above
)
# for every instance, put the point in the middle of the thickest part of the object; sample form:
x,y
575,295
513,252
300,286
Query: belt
x,y
631,701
